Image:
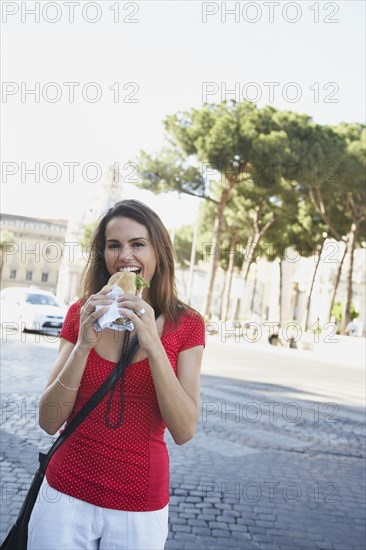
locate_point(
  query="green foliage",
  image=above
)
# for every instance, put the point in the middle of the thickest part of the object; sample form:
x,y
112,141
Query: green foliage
x,y
87,236
6,238
353,312
316,328
267,173
352,169
306,231
184,235
262,149
183,244
170,171
337,312
234,236
237,140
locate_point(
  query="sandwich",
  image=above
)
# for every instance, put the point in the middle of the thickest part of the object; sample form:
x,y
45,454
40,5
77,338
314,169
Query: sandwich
x,y
130,283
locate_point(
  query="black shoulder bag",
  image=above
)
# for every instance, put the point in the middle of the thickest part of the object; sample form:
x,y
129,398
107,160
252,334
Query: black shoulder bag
x,y
17,537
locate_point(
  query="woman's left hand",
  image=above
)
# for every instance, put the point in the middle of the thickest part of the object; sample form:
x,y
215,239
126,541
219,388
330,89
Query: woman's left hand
x,y
143,317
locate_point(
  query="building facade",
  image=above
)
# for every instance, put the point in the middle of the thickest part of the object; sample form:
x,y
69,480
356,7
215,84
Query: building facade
x,y
32,251
261,294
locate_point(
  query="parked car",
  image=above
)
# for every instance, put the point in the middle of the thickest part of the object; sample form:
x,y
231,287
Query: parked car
x,y
31,309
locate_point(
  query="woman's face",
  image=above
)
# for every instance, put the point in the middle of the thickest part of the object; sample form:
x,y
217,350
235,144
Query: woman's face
x,y
128,248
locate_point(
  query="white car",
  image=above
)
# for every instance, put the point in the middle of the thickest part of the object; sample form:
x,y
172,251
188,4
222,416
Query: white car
x,y
31,309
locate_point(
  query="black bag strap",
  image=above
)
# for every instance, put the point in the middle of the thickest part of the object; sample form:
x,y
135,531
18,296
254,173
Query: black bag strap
x,y
92,402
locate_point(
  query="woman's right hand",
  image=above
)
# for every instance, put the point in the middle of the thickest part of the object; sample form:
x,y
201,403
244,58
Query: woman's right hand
x,y
88,336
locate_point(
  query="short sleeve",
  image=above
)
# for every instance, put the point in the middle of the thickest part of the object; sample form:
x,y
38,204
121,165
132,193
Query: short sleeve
x,y
70,328
193,331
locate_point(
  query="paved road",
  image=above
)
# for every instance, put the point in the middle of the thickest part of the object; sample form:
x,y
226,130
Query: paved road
x,y
277,462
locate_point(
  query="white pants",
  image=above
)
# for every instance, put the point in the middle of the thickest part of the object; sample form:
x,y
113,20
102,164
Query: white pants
x,y
61,522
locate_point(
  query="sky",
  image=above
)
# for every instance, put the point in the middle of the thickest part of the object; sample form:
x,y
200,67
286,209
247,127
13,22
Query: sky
x,y
131,64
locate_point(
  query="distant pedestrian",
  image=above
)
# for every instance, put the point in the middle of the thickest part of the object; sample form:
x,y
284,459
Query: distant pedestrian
x,y
254,325
293,344
107,486
351,328
274,339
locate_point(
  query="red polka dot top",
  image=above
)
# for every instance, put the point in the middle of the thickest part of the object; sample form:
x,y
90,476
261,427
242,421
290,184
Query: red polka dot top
x,y
126,468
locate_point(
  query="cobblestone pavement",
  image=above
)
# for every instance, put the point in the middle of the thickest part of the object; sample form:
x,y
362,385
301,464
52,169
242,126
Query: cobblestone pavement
x,y
271,467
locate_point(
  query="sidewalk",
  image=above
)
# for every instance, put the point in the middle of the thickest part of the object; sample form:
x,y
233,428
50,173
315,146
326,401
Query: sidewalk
x,y
277,462
331,347
243,482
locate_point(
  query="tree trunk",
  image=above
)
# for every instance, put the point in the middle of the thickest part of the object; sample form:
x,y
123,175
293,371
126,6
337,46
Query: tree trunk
x,y
280,293
192,261
247,262
352,237
338,278
312,285
223,295
228,281
254,289
249,258
229,293
219,224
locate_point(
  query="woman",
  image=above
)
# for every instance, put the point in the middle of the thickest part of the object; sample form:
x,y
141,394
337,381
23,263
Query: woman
x,y
107,486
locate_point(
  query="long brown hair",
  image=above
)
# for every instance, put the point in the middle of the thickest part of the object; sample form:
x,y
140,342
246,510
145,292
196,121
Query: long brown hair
x,y
162,293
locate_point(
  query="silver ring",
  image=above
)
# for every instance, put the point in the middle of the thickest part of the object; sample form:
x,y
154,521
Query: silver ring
x,y
141,312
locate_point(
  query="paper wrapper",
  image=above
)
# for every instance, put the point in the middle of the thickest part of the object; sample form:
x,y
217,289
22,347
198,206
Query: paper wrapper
x,y
112,313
